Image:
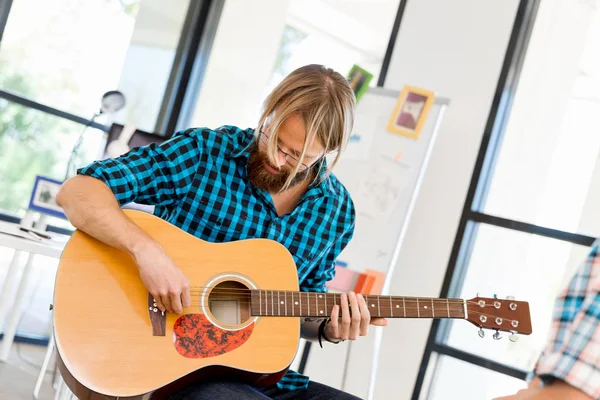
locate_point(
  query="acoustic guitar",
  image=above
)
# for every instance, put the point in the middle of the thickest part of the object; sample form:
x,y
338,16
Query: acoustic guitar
x,y
113,342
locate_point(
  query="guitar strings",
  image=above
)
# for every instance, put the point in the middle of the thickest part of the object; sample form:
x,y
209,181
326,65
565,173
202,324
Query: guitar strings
x,y
388,308
247,292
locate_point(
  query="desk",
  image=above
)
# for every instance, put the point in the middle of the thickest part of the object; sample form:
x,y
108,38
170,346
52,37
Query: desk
x,y
11,236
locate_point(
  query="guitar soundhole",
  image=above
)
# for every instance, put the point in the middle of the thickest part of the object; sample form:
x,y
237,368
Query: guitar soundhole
x,y
229,303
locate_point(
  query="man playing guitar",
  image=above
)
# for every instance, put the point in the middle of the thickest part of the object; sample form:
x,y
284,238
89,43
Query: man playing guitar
x,y
231,184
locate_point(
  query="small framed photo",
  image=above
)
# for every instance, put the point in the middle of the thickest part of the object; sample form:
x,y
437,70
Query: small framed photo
x,y
359,80
43,197
410,112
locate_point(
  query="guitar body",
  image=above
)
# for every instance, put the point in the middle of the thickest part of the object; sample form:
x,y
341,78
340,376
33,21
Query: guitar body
x,y
112,341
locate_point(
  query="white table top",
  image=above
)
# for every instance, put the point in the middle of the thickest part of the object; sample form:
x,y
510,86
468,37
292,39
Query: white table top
x,y
11,236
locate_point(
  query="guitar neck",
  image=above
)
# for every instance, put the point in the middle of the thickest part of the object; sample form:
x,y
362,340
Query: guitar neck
x,y
280,303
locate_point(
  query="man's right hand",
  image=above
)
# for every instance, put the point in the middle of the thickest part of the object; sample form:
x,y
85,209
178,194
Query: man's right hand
x,y
163,279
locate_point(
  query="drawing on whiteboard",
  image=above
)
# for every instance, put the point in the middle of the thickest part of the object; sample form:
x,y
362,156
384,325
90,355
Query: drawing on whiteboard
x,y
381,189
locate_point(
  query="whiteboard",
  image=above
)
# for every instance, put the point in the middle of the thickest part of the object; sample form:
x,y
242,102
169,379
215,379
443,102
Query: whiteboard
x,y
383,171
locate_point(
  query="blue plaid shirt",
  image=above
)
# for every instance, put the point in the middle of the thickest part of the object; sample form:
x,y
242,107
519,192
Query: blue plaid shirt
x,y
573,350
198,181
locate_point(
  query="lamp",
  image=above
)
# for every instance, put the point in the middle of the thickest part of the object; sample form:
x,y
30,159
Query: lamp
x,y
111,102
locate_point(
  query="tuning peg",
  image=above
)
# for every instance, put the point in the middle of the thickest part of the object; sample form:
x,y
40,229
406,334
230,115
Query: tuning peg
x,y
495,296
513,338
497,335
481,333
510,297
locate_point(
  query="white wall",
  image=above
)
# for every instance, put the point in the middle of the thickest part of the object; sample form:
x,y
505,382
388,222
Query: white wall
x,y
456,49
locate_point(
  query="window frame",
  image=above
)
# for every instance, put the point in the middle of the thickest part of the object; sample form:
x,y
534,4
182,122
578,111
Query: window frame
x,y
472,216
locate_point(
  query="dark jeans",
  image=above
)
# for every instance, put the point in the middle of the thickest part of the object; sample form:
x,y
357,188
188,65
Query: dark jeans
x,y
235,391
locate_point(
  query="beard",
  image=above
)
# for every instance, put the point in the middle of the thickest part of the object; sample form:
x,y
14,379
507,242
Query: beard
x,y
263,179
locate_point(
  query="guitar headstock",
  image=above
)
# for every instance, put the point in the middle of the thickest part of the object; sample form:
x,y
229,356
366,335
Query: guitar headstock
x,y
506,315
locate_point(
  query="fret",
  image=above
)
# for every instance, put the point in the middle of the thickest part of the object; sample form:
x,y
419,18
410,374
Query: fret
x,y
272,303
391,308
293,304
432,309
278,305
418,311
285,300
378,307
326,313
448,305
308,304
300,300
318,309
404,306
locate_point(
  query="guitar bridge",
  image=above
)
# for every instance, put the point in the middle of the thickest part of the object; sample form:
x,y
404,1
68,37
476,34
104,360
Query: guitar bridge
x,y
158,319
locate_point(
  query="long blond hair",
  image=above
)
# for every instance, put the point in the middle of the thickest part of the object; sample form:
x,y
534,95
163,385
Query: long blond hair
x,y
326,103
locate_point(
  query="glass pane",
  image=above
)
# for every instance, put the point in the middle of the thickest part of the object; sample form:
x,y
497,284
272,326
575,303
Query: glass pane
x,y
456,379
35,143
530,268
291,34
70,52
548,169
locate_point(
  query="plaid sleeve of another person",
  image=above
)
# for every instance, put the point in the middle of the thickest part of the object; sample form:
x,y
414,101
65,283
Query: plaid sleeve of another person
x,y
573,350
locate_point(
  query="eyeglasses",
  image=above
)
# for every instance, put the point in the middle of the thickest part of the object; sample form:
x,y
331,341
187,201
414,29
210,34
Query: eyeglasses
x,y
293,161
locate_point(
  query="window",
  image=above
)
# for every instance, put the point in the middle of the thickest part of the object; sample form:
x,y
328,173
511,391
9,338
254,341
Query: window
x,y
454,376
545,173
65,56
35,143
533,204
69,52
522,265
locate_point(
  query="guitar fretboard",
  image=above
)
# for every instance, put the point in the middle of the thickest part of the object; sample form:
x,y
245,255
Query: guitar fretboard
x,y
312,304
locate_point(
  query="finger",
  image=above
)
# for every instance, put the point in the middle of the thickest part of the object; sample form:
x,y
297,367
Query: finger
x,y
355,326
535,383
345,329
365,316
334,323
176,302
379,321
186,298
166,300
159,303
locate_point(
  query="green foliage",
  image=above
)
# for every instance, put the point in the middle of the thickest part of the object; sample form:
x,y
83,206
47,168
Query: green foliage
x,y
27,147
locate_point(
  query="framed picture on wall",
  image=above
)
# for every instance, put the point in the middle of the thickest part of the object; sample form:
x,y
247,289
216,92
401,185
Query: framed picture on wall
x,y
359,80
410,112
43,197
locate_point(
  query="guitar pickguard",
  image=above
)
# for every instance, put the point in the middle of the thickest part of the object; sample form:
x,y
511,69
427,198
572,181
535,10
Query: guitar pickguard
x,y
195,336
